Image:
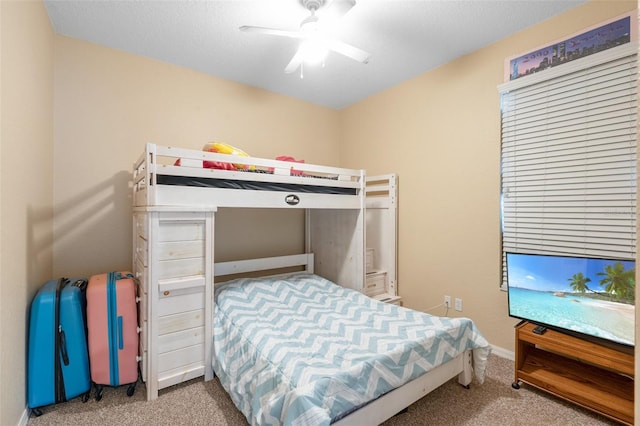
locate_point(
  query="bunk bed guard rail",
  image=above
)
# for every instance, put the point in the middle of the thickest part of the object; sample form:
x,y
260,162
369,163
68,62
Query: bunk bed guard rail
x,y
176,176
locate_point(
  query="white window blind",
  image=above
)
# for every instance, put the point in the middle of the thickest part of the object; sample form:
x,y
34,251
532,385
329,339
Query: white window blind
x,y
569,159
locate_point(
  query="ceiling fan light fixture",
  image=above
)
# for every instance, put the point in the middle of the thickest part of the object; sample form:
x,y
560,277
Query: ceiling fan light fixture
x,y
313,51
312,5
315,43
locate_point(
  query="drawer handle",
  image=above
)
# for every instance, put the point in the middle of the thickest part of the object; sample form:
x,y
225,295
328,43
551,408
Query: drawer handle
x,y
166,292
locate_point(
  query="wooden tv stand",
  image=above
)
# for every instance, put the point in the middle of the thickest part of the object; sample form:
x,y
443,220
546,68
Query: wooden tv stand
x,y
592,375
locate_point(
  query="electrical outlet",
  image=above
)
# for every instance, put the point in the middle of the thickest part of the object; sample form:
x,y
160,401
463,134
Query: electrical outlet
x,y
447,301
458,304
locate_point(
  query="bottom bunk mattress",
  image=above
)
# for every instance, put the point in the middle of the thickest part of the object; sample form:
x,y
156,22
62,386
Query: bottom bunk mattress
x,y
299,349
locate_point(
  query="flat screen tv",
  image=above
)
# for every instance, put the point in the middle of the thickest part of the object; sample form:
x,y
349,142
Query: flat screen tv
x,y
587,296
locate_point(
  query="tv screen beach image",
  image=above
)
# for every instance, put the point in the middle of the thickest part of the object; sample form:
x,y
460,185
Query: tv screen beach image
x,y
585,295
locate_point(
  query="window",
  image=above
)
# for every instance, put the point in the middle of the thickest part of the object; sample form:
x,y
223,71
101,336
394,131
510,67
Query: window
x,y
569,137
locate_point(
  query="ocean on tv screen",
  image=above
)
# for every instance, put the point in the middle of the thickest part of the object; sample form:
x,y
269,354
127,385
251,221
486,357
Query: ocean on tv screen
x,y
585,295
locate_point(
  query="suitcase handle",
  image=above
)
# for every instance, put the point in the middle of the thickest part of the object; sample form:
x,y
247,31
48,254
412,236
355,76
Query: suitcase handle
x,y
82,284
120,334
120,275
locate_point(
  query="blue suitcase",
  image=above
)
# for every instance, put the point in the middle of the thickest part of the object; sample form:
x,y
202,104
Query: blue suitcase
x,y
58,360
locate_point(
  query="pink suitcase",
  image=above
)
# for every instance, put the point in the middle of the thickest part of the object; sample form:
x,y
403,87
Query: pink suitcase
x,y
112,324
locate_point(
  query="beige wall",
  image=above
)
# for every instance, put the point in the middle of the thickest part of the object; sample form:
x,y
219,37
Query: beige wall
x,y
26,150
108,104
441,133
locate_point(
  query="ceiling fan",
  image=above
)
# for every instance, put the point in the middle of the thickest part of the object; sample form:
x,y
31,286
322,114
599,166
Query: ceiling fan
x,y
315,43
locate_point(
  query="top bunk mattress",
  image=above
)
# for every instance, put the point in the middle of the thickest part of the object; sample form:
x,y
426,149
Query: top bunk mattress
x,y
256,185
299,349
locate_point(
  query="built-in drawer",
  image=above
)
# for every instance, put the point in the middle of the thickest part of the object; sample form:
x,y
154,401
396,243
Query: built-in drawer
x,y
180,249
180,295
180,374
180,339
172,230
181,357
180,268
171,250
181,304
375,283
182,321
171,305
387,298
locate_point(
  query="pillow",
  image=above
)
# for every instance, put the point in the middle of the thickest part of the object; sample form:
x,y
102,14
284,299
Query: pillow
x,y
223,148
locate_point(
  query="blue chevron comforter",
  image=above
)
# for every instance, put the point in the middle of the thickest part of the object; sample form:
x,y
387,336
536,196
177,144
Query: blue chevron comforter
x,y
301,350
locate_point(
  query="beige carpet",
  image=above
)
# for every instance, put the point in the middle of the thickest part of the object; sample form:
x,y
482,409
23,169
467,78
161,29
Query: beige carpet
x,y
199,403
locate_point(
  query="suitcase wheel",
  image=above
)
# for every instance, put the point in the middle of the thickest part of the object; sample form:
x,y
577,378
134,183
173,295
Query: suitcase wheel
x,y
86,396
98,393
36,412
131,389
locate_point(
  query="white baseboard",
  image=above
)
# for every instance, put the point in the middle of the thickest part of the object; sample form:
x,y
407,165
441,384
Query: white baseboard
x,y
502,353
24,419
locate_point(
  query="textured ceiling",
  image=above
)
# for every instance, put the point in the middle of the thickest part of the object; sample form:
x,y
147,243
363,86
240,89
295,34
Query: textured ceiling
x,y
404,38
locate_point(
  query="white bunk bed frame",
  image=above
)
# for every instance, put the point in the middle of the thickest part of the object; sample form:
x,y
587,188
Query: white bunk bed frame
x,y
381,198
335,246
159,160
339,253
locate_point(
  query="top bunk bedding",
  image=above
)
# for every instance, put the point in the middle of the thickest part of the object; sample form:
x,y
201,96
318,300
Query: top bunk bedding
x,y
172,176
299,349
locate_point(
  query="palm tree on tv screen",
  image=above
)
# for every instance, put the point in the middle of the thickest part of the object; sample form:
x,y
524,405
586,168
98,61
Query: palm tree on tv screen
x,y
619,283
578,283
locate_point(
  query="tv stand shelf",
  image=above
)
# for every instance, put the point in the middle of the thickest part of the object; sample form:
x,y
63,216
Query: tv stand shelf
x,y
595,376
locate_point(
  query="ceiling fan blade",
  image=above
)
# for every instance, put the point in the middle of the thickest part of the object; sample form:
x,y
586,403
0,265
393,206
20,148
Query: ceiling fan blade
x,y
336,9
348,50
270,31
295,62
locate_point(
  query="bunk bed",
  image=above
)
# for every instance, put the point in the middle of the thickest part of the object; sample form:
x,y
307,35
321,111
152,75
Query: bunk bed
x,y
183,288
158,180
